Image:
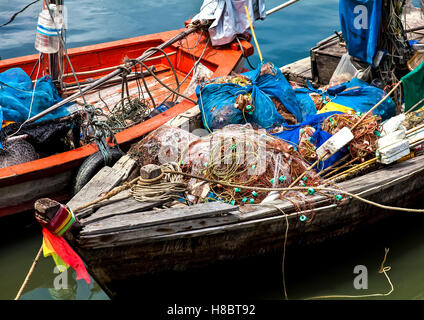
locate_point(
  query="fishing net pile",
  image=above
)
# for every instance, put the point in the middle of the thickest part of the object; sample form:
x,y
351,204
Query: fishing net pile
x,y
365,135
161,146
236,155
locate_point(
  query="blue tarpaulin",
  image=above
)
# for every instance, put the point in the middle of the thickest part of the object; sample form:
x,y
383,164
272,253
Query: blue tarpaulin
x,y
291,135
360,22
16,97
217,101
361,97
357,95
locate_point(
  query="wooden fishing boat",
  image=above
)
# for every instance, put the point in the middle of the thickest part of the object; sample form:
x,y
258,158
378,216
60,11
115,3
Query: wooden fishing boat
x,y
125,240
52,175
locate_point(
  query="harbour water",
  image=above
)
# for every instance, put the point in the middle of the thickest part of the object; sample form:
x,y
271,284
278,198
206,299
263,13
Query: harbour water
x,y
324,269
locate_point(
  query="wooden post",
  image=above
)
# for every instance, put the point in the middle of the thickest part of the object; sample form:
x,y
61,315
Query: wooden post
x,y
150,171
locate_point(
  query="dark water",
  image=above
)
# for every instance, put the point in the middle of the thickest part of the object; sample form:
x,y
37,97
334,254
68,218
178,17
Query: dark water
x,y
324,269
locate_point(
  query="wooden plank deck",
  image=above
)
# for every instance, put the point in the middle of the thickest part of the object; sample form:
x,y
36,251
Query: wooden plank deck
x,y
299,71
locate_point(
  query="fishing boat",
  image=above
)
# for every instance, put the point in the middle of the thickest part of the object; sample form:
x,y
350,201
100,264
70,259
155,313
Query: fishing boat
x,y
123,239
53,174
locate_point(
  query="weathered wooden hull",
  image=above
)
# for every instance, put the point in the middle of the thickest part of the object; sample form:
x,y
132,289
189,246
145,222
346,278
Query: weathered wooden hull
x,y
115,258
22,184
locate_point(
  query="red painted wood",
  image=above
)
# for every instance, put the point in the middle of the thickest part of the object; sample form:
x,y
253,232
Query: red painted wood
x,y
221,60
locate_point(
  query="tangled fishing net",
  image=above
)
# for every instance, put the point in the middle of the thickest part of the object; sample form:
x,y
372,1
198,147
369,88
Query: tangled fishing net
x,y
236,154
161,146
125,115
366,134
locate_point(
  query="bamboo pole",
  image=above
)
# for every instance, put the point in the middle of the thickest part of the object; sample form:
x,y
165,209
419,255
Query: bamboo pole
x,y
281,6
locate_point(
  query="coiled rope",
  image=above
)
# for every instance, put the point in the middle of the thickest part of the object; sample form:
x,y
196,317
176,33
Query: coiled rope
x,y
166,186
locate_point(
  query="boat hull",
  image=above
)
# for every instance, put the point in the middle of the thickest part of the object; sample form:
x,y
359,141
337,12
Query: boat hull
x,y
118,258
42,174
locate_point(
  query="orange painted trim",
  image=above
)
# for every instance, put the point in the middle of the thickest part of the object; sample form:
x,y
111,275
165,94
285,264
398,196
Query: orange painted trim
x,y
222,59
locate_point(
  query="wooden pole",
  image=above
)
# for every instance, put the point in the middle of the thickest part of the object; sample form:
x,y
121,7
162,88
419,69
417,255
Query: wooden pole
x,y
31,270
281,6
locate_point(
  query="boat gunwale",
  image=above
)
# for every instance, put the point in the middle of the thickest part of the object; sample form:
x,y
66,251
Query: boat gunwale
x,y
247,220
24,171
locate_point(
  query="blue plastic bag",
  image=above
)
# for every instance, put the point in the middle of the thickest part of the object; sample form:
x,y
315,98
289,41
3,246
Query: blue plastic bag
x,y
357,95
360,22
361,97
18,102
306,104
216,101
291,136
16,96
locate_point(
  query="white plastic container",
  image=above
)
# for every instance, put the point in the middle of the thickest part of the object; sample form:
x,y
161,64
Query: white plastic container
x,y
335,143
46,39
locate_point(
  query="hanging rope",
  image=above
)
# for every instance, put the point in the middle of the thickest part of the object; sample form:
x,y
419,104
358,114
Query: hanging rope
x,y
383,269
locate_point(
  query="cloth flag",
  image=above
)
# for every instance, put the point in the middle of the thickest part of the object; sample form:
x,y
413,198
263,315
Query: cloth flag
x,y
413,87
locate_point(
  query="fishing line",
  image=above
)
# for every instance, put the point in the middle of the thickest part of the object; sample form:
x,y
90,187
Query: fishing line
x,y
32,99
14,16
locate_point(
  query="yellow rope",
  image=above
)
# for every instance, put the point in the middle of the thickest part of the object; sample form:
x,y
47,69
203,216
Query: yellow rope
x,y
253,33
382,269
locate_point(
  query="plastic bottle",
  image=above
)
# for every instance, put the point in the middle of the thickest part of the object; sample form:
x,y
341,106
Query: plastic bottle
x,y
47,40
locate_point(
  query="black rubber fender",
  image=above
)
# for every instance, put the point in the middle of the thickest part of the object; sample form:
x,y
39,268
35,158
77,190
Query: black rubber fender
x,y
90,167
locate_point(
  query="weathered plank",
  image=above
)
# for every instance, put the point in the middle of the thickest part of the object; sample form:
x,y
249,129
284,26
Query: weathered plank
x,y
298,71
105,180
151,218
125,204
188,120
118,238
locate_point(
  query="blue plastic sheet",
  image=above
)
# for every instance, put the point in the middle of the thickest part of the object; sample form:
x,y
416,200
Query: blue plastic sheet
x,y
17,98
16,93
306,104
291,135
361,97
217,101
360,22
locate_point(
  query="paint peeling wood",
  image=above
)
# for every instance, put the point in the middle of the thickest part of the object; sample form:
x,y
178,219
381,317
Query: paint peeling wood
x,y
105,180
159,217
118,238
122,204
